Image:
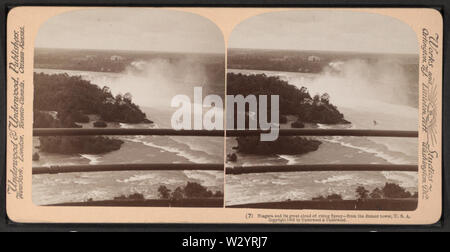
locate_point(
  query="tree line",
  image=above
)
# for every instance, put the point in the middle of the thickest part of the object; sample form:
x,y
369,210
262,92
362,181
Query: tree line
x,y
73,98
62,101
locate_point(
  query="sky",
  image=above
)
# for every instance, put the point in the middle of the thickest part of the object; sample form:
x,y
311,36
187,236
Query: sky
x,y
131,29
325,31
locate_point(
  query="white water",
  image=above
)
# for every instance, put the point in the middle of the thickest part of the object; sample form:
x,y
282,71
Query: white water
x,y
370,97
359,94
362,103
152,91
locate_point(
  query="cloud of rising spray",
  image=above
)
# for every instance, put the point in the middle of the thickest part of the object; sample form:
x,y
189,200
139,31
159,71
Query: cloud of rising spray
x,y
155,82
357,83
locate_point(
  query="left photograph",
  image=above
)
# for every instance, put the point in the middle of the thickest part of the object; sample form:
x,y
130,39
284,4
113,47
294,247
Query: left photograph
x,y
106,83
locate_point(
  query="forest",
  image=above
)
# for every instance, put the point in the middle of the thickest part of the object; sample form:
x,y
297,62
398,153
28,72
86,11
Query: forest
x,y
304,61
79,145
282,146
389,191
62,101
293,101
73,98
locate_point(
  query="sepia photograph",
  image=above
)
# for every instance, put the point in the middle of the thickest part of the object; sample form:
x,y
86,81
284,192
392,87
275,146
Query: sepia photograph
x,y
347,85
224,116
104,83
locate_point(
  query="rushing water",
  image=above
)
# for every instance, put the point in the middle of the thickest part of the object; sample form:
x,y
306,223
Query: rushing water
x,y
78,187
367,105
362,101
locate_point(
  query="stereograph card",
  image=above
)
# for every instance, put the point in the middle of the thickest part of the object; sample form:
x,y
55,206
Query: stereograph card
x,y
224,115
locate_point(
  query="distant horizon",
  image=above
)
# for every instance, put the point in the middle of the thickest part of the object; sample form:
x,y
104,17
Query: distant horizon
x,y
234,48
319,50
123,50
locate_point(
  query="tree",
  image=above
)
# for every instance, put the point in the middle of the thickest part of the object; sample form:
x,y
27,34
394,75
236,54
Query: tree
x,y
195,190
362,193
119,98
36,156
376,194
321,198
136,196
392,190
218,194
127,97
334,197
164,192
325,98
106,90
316,100
178,194
303,90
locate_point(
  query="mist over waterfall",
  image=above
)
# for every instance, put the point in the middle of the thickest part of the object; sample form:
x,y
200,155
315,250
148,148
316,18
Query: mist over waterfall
x,y
153,83
366,83
378,94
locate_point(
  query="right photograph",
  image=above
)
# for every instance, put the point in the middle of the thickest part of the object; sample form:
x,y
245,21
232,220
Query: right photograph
x,y
346,84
